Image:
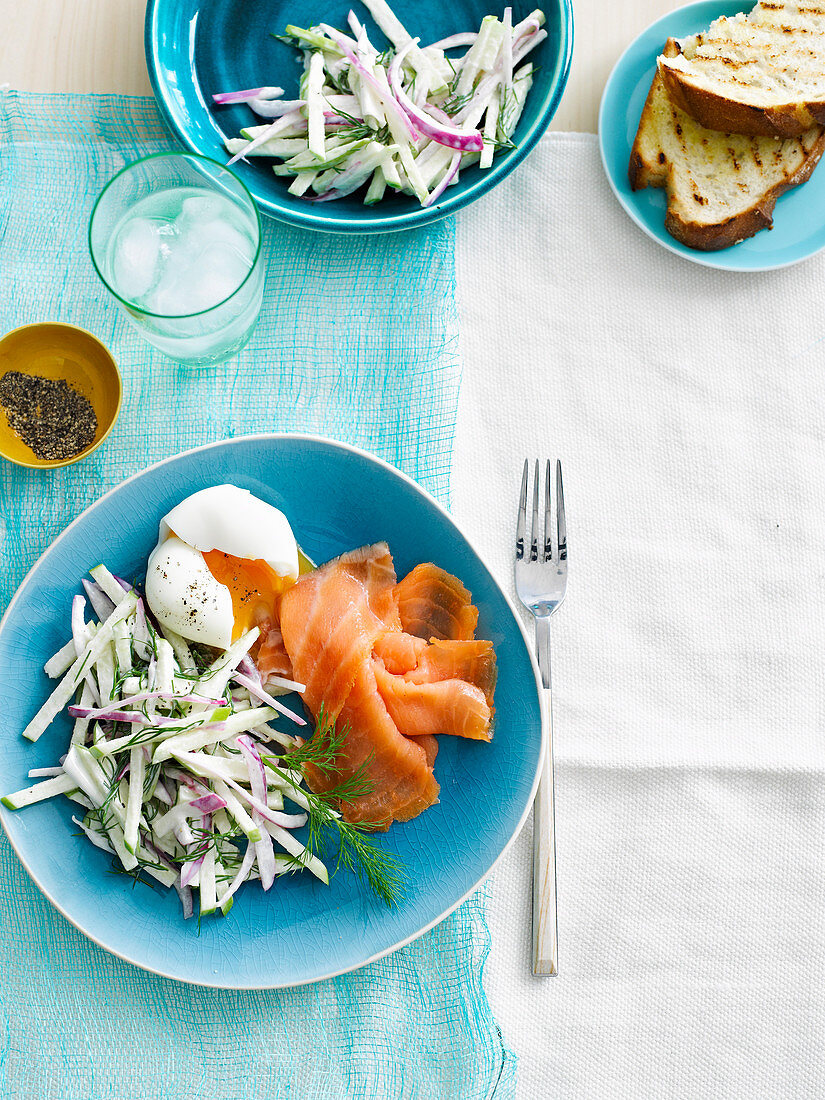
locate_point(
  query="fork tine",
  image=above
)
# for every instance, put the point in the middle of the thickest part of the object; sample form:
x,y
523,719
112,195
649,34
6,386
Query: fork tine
x,y
534,528
522,514
561,522
548,526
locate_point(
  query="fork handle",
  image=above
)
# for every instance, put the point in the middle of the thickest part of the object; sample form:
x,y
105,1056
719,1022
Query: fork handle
x,y
545,926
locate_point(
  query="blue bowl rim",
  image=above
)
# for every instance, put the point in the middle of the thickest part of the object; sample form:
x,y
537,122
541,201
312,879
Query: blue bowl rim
x,y
542,701
369,222
705,259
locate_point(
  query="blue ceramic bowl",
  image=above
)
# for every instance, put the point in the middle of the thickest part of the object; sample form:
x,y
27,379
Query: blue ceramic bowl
x,y
798,231
336,498
195,48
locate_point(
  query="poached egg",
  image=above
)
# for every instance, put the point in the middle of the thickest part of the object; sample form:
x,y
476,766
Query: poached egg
x,y
222,561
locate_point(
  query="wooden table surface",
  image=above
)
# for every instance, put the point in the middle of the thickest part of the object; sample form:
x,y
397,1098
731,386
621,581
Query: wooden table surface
x,y
97,46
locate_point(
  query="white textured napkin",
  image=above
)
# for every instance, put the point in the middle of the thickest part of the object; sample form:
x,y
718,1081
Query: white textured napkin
x,y
688,407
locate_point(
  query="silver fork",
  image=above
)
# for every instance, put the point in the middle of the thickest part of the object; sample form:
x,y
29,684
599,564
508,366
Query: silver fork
x,y
541,583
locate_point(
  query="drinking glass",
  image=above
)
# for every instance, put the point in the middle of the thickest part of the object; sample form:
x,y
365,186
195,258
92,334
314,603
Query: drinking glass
x,y
176,239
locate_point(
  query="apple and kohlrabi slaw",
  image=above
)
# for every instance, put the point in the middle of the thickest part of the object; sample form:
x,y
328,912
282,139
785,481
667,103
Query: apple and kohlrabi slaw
x,y
404,119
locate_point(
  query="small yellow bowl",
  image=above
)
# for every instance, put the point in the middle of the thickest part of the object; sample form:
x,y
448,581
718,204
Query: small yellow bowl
x,y
66,352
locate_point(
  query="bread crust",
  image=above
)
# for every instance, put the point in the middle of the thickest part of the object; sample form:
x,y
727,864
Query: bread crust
x,y
721,113
710,238
700,235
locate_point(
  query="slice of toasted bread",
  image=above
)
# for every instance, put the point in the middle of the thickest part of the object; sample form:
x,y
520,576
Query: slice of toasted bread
x,y
721,188
761,73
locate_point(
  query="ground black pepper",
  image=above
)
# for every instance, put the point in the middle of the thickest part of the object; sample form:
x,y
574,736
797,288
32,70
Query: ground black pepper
x,y
49,416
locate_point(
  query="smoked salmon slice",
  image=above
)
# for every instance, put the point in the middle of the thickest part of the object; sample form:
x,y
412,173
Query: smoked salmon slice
x,y
330,619
473,661
398,768
437,687
272,658
446,706
399,652
393,664
430,746
434,604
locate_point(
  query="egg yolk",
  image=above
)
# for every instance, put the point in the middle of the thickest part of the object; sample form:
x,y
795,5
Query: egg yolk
x,y
255,588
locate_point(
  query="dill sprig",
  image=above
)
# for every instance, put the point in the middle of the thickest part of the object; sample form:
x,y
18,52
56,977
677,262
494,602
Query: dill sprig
x,y
454,102
136,874
81,672
355,852
204,841
358,128
379,867
323,748
102,812
500,142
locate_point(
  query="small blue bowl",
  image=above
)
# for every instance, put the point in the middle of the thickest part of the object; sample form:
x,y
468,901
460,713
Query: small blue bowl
x,y
195,48
798,231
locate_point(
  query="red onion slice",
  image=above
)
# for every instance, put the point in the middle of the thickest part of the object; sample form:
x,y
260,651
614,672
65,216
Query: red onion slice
x,y
467,141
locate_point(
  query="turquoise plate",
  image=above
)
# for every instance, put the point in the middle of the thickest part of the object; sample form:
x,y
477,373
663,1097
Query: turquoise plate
x,y
195,48
336,498
798,231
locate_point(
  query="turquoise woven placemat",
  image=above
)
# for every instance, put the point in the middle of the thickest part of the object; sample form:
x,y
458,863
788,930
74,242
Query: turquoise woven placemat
x,y
357,341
